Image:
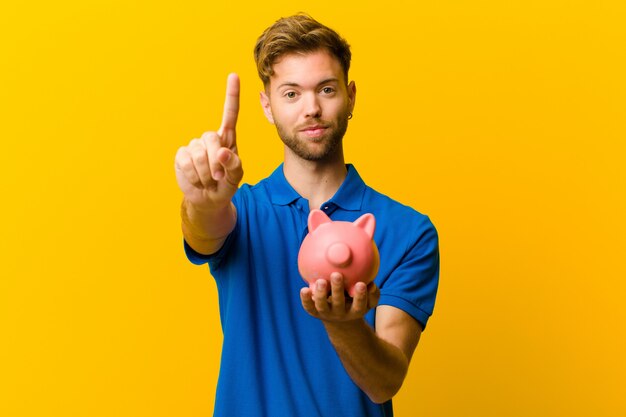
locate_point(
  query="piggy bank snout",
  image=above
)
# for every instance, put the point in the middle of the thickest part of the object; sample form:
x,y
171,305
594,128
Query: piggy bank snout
x,y
339,254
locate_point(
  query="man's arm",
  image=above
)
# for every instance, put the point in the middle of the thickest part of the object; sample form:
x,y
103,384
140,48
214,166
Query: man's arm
x,y
208,172
376,360
206,231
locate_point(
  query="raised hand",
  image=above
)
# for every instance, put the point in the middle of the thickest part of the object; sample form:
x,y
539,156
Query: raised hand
x,y
208,170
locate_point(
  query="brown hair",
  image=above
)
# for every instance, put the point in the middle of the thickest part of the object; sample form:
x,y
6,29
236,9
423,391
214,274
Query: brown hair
x,y
298,34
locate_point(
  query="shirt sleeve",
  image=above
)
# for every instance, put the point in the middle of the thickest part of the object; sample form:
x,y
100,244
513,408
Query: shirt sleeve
x,y
193,256
412,285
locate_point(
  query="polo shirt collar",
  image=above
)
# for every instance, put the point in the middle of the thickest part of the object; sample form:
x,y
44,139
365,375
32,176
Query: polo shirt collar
x,y
281,192
349,196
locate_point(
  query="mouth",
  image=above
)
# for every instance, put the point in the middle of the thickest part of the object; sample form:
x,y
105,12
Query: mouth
x,y
314,131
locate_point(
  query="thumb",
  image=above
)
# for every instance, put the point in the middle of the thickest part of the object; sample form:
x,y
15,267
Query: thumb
x,y
231,163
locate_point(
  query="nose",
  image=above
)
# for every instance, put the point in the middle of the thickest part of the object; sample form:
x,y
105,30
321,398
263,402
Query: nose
x,y
312,106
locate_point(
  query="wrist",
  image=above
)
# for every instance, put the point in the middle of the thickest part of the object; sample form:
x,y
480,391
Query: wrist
x,y
347,327
207,227
191,210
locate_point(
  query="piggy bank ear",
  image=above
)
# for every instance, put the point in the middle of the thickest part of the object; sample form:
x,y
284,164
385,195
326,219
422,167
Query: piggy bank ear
x,y
366,222
317,218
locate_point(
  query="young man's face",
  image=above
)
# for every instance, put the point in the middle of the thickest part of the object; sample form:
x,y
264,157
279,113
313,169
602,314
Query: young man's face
x,y
309,102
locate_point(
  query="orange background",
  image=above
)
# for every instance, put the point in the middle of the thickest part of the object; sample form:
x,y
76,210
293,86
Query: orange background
x,y
503,121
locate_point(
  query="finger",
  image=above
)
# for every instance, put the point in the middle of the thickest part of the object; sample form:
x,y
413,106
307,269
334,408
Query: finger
x,y
306,297
184,164
213,145
373,295
320,296
359,301
231,105
231,163
198,153
338,298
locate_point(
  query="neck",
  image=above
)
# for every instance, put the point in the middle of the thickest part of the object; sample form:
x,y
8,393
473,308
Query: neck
x,y
317,181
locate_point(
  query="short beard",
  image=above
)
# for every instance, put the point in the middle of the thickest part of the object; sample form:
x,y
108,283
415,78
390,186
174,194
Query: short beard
x,y
332,142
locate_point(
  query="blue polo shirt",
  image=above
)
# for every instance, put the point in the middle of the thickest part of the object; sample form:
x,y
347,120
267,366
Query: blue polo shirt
x,y
277,360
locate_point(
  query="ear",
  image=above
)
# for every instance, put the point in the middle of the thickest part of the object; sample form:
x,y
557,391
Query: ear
x,y
317,218
367,222
352,95
267,108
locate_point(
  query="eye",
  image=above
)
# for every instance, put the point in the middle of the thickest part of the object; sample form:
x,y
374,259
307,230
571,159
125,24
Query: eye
x,y
290,94
328,90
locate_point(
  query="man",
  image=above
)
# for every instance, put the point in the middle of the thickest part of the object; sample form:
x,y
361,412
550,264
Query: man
x,y
289,350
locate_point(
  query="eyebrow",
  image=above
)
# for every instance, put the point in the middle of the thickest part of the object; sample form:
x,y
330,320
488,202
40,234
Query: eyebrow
x,y
326,81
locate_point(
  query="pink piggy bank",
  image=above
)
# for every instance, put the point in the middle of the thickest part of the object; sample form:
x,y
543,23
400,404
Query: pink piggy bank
x,y
339,246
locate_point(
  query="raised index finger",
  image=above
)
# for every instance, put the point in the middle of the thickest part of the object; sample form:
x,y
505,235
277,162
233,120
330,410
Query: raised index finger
x,y
231,104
